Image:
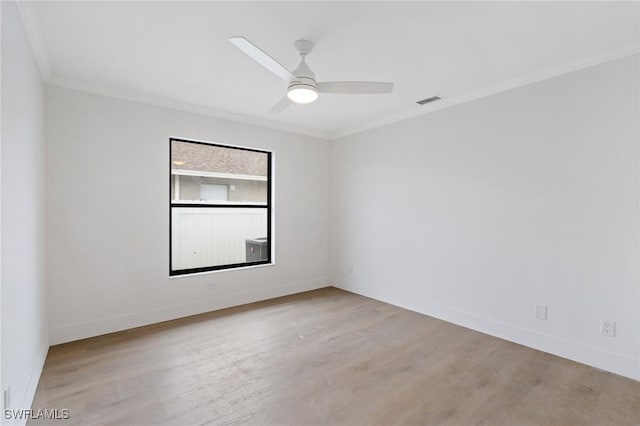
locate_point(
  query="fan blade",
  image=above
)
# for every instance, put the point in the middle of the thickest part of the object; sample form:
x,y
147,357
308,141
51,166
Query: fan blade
x,y
262,58
355,87
280,105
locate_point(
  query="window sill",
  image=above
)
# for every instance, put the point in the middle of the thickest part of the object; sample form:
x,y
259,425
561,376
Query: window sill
x,y
217,271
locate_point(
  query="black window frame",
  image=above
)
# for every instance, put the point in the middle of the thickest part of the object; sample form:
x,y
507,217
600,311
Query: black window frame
x,y
189,271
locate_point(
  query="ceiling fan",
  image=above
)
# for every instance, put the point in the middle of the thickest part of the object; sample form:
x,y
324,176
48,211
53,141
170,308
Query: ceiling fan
x,y
302,85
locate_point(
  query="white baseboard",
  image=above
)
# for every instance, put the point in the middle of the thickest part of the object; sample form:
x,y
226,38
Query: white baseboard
x,y
68,333
26,399
613,362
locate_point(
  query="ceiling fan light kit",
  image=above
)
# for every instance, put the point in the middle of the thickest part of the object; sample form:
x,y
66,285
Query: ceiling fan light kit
x,y
303,89
302,85
302,93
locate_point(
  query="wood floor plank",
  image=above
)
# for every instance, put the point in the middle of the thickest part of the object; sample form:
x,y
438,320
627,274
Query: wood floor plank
x,y
326,357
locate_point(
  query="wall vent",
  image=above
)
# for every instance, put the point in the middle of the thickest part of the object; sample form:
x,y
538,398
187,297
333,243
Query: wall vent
x,y
429,100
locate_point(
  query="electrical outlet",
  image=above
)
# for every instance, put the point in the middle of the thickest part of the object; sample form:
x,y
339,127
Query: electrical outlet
x,y
211,285
350,270
7,398
608,328
541,312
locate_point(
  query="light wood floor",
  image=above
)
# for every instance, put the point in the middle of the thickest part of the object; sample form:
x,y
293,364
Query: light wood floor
x,y
325,357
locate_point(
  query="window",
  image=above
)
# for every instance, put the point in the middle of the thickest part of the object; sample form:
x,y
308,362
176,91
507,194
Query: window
x,y
220,207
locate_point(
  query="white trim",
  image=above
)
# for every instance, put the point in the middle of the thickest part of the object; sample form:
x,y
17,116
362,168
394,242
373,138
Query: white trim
x,y
566,68
418,110
32,28
71,332
180,172
181,106
214,271
621,364
225,144
26,400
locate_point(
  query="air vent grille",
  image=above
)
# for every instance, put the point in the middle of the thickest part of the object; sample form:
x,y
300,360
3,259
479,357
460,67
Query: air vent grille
x,y
429,100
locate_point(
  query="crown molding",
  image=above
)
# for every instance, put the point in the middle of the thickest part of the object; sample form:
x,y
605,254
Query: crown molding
x,y
181,106
556,71
32,28
566,68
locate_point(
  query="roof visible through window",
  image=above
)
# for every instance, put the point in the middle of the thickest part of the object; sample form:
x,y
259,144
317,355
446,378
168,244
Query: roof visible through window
x,y
216,159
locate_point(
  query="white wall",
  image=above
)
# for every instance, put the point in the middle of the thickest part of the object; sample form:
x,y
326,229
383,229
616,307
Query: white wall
x,y
24,330
476,213
108,217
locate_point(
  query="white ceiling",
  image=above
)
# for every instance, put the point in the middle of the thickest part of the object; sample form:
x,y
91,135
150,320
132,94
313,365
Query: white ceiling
x,y
179,51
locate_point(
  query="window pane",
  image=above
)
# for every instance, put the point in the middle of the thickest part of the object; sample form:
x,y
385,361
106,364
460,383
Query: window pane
x,y
214,236
196,189
196,167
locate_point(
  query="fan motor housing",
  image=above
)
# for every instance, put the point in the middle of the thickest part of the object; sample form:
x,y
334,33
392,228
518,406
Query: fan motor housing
x,y
301,82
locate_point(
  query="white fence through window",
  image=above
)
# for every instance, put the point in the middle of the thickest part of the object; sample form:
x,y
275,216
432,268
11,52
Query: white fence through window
x,y
214,236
